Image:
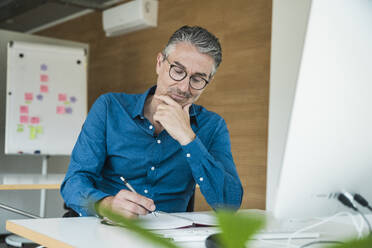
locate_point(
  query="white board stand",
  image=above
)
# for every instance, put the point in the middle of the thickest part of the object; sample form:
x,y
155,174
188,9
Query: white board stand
x,y
16,240
44,170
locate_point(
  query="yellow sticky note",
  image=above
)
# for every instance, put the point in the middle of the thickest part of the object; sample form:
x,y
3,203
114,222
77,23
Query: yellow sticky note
x,y
39,129
32,132
19,128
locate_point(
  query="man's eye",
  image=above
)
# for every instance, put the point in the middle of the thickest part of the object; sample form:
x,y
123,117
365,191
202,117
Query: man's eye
x,y
178,70
196,79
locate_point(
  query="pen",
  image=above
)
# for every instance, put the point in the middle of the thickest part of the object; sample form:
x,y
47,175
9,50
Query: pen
x,y
133,190
128,185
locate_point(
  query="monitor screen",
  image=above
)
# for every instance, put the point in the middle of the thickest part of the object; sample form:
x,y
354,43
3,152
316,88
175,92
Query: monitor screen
x,y
329,144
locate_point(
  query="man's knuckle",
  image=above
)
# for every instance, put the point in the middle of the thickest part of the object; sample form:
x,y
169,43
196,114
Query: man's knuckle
x,y
132,208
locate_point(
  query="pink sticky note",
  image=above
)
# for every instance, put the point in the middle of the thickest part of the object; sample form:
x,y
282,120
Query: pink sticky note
x,y
62,97
44,78
23,109
44,88
23,119
29,96
60,109
35,120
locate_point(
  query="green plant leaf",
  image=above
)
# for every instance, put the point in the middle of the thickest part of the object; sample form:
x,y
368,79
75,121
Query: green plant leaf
x,y
135,226
238,228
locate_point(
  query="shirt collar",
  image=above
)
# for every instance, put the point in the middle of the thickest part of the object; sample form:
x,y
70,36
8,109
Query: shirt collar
x,y
137,109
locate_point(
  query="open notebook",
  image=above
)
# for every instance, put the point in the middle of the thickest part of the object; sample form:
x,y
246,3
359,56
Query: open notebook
x,y
162,221
177,220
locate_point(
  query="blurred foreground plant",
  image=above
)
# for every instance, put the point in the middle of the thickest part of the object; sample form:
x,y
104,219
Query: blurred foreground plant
x,y
236,230
135,226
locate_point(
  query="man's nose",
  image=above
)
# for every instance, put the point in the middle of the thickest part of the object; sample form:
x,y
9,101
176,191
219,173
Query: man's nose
x,y
183,85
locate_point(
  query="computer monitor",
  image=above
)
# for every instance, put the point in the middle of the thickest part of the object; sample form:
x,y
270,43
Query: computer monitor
x,y
329,144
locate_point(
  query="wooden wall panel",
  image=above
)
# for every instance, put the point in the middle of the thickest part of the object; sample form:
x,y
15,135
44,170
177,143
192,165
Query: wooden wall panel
x,y
239,92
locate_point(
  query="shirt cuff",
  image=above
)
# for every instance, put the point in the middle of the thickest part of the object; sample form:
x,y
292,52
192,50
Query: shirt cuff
x,y
195,152
89,207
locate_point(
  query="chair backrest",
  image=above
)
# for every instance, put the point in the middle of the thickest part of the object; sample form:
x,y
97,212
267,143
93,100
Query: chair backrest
x,y
70,212
190,205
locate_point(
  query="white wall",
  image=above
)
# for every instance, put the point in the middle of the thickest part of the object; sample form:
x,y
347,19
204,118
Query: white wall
x,y
289,22
26,200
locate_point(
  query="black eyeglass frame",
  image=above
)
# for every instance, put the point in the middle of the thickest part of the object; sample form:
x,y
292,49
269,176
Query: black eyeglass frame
x,y
178,80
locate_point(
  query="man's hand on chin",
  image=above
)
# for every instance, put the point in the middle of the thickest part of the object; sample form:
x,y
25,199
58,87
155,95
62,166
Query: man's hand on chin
x,y
175,119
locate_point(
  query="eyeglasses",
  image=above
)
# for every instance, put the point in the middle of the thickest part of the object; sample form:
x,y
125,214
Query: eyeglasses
x,y
178,73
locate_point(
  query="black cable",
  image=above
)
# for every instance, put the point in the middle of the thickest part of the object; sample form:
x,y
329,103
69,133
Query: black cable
x,y
346,201
362,201
321,242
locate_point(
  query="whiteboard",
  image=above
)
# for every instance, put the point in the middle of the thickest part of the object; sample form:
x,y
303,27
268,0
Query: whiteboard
x,y
46,101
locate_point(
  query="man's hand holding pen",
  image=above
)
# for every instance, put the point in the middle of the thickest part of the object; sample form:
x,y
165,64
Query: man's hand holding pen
x,y
127,203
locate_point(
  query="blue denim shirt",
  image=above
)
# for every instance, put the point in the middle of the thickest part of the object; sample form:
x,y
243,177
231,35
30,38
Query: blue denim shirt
x,y
117,140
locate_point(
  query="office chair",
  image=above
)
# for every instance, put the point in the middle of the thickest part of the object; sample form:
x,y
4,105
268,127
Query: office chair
x,y
70,212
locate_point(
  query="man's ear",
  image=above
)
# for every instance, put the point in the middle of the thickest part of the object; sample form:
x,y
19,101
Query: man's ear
x,y
159,61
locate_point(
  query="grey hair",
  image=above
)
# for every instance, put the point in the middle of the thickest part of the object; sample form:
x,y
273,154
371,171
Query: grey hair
x,y
201,38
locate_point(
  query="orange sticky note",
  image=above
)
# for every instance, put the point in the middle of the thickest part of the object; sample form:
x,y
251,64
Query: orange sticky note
x,y
23,109
44,78
35,120
23,119
29,96
60,109
62,97
44,88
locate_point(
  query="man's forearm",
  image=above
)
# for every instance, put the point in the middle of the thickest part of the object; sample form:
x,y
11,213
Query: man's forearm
x,y
215,173
102,205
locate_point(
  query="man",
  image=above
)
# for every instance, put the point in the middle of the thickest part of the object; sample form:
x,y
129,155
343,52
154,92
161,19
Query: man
x,y
159,141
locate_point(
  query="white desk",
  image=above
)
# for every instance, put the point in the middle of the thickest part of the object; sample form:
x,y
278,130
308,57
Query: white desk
x,y
89,232
74,232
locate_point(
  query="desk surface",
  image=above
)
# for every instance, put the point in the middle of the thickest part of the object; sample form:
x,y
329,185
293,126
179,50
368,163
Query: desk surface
x,y
89,232
30,181
74,232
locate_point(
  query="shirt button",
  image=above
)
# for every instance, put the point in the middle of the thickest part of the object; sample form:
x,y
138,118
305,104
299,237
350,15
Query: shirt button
x,y
159,141
201,179
146,191
188,155
151,127
152,168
